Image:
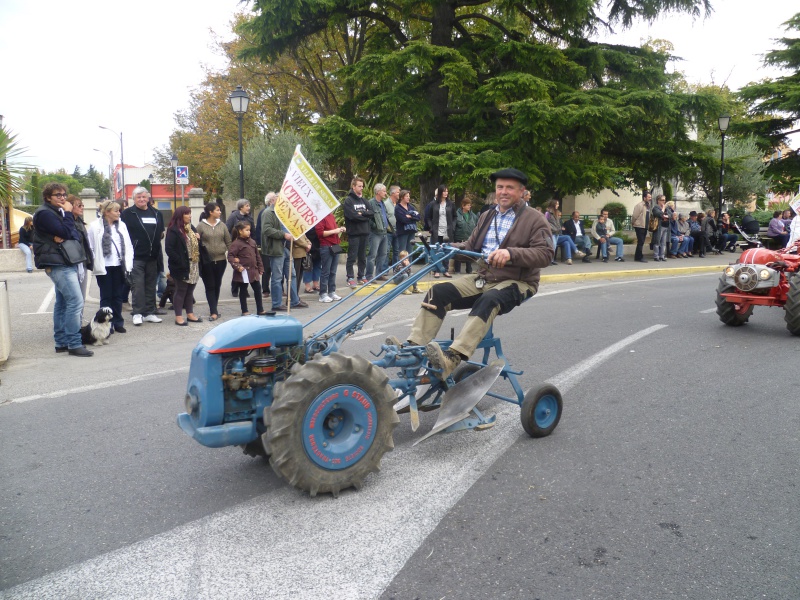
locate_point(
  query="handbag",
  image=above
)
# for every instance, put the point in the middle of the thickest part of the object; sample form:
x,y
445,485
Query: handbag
x,y
653,225
72,252
307,263
336,249
128,278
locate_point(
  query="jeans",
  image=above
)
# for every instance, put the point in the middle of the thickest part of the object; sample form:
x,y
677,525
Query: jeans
x,y
568,245
391,244
26,250
267,275
377,254
144,275
309,277
584,243
278,264
212,281
612,240
660,238
112,292
405,241
678,246
357,250
327,277
68,307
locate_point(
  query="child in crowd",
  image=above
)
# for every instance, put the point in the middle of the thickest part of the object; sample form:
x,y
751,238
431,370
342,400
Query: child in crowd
x,y
247,266
402,271
168,292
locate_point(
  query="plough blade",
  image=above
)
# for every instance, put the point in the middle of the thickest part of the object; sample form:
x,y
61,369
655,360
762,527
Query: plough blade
x,y
460,399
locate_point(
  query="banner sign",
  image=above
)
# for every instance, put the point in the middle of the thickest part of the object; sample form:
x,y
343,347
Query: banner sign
x,y
795,204
304,199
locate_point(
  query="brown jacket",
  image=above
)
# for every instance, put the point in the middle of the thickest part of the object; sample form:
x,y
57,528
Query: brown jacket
x,y
528,241
249,257
299,247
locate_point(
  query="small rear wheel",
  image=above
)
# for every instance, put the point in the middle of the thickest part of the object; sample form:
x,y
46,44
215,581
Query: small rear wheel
x,y
541,411
792,307
728,312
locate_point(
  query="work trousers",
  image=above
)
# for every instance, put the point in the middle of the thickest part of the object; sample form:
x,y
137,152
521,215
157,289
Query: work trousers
x,y
143,287
486,303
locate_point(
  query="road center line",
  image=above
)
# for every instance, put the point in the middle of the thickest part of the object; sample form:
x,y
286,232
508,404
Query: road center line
x,y
51,293
288,538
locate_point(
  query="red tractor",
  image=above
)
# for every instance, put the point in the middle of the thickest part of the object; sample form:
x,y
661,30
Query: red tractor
x,y
761,277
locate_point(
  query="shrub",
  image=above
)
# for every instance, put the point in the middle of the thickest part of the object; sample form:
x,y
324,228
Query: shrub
x,y
616,211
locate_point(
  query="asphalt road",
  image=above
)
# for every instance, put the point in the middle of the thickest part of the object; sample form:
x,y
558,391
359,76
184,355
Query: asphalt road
x,y
673,473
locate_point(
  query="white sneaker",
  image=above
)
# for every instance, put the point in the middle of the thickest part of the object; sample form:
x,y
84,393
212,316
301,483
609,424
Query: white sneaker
x,y
152,319
325,298
580,254
137,319
335,298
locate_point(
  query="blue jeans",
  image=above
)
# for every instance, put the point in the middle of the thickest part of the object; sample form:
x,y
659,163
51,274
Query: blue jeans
x,y
26,250
660,238
569,246
313,275
405,241
377,253
391,244
327,277
68,308
279,266
612,240
680,247
584,243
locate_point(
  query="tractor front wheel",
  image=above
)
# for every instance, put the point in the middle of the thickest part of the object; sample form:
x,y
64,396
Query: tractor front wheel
x,y
728,312
330,424
792,307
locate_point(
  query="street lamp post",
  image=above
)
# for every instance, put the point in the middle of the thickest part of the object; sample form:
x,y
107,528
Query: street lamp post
x,y
239,102
174,162
151,179
723,123
110,172
121,160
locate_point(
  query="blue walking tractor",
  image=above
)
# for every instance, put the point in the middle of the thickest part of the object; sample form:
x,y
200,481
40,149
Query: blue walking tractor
x,y
324,418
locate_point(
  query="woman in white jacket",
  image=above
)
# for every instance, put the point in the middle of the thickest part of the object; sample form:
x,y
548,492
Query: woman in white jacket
x,y
113,259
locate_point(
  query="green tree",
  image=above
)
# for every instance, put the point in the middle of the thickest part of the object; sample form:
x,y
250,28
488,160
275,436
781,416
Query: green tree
x,y
266,160
776,107
455,89
73,185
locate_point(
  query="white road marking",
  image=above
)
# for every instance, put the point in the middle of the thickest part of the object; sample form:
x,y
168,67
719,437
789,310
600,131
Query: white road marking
x,y
277,545
365,336
51,293
98,386
708,310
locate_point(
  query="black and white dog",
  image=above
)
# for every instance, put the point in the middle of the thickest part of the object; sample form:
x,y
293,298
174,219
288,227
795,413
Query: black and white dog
x,y
99,328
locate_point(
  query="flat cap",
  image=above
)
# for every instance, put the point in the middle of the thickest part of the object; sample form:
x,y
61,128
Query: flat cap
x,y
509,174
693,213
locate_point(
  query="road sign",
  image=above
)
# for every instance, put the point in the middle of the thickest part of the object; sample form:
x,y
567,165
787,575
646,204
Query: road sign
x,y
182,175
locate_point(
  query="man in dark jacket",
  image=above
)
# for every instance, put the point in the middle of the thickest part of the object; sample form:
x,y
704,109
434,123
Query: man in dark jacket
x,y
518,244
53,224
357,216
146,228
574,228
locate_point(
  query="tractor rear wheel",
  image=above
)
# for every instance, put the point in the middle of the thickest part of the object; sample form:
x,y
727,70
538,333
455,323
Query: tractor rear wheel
x,y
330,424
728,312
792,307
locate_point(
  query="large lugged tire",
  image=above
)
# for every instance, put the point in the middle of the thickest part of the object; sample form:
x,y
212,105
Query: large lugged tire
x,y
729,313
330,424
792,307
541,411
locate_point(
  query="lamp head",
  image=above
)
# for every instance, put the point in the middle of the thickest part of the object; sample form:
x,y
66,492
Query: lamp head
x,y
724,121
173,161
239,100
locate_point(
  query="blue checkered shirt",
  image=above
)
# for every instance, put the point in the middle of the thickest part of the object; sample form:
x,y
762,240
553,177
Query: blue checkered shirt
x,y
498,229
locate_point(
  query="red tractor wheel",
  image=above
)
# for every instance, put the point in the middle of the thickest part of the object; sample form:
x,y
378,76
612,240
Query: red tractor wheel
x,y
792,307
728,312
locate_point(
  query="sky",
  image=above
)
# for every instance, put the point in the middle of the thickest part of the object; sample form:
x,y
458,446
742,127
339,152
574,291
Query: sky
x,y
69,67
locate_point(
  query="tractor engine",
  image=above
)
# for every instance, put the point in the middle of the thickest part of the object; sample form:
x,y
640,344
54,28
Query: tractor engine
x,y
232,375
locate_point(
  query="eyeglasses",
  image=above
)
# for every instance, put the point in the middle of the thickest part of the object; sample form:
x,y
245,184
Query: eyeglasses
x,y
58,195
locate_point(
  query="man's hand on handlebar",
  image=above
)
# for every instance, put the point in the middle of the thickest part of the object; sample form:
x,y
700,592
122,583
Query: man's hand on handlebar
x,y
499,258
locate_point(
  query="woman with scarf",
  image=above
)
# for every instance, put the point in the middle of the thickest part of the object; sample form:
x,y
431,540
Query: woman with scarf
x,y
182,245
111,247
